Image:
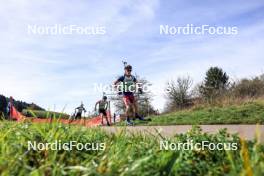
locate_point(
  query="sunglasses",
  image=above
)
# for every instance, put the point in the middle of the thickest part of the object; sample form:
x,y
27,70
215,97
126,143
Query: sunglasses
x,y
129,70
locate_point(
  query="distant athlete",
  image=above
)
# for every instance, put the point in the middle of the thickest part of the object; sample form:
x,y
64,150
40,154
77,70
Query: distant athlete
x,y
103,105
10,107
79,110
129,82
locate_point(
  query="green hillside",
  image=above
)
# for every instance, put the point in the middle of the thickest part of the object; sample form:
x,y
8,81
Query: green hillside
x,y
247,113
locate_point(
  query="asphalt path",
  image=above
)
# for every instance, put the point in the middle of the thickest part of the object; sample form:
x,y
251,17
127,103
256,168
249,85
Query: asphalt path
x,y
247,132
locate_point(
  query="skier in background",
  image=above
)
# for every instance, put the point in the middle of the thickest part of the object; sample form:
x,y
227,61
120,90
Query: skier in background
x,y
10,107
103,105
79,110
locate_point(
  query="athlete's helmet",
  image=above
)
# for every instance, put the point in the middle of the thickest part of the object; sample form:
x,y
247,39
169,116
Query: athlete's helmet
x,y
128,67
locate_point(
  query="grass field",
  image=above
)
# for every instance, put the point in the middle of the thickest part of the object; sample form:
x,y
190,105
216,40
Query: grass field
x,y
125,154
247,113
44,114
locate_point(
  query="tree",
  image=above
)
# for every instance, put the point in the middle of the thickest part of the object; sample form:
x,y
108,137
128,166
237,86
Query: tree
x,y
262,77
20,105
215,83
3,105
178,93
252,88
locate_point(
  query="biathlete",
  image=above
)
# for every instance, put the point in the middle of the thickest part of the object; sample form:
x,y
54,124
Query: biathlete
x,y
10,107
79,110
103,105
128,82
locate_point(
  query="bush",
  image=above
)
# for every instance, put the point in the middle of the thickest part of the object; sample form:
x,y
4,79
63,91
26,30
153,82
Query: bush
x,y
179,94
252,88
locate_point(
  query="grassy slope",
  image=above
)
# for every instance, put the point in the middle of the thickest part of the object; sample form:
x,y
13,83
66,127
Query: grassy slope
x,y
248,113
44,114
125,154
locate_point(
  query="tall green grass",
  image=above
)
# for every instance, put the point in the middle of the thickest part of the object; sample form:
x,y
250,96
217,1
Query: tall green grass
x,y
125,153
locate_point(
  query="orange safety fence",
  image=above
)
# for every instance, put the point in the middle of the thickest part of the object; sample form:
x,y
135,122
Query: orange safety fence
x,y
15,115
95,121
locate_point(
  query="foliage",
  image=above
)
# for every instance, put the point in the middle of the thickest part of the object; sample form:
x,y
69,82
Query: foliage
x,y
215,83
125,154
20,105
3,105
249,88
178,93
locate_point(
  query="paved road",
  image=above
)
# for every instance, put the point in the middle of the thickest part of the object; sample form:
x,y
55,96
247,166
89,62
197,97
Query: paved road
x,y
245,131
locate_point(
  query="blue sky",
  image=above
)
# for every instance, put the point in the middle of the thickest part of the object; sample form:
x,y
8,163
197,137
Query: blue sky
x,y
59,70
